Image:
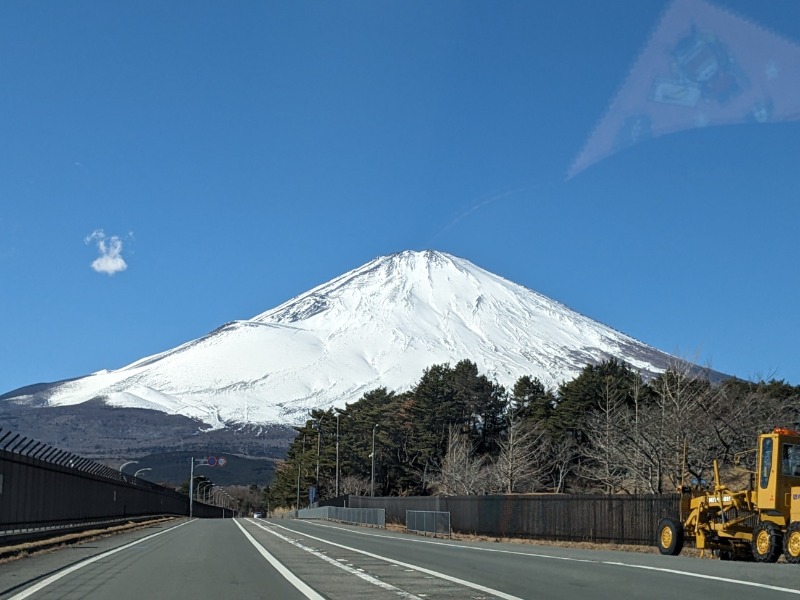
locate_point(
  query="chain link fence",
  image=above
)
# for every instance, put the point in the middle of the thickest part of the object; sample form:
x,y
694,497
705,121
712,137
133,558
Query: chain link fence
x,y
374,517
428,522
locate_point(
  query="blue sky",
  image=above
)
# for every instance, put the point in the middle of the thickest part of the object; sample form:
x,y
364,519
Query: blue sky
x,y
232,155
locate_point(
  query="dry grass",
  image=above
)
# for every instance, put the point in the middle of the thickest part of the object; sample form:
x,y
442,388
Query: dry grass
x,y
10,553
559,544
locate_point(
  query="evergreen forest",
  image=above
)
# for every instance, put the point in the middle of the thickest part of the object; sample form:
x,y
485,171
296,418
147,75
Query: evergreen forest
x,y
609,430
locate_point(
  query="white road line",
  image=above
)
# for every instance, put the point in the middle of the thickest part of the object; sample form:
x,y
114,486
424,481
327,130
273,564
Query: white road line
x,y
765,586
336,563
301,586
464,582
455,545
55,577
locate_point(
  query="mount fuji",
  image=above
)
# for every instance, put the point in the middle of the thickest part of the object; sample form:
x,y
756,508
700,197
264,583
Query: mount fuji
x,y
379,325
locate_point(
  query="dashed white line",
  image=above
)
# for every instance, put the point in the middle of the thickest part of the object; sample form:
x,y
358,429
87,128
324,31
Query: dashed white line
x,y
298,583
431,572
764,586
358,572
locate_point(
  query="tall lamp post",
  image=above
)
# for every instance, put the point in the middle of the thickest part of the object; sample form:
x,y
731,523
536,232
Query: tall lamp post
x,y
372,480
208,497
318,427
337,454
200,496
299,467
125,464
135,475
191,482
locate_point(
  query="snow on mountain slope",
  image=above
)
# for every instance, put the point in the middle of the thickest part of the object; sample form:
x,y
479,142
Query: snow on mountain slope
x,y
381,324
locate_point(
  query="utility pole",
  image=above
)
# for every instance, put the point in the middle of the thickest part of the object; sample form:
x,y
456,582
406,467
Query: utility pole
x,y
299,467
372,481
319,439
337,454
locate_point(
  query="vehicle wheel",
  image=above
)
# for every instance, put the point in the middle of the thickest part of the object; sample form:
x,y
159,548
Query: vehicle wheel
x,y
670,537
767,542
791,543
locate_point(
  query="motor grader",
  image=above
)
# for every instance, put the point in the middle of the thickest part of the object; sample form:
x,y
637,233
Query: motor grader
x,y
758,523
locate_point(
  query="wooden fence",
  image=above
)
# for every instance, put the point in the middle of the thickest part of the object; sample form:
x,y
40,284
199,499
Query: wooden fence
x,y
610,519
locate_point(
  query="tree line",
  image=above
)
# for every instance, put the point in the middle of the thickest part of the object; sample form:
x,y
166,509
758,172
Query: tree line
x,y
609,430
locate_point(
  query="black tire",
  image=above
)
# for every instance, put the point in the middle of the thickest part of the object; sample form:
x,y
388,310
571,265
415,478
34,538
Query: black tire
x,y
767,542
670,537
791,543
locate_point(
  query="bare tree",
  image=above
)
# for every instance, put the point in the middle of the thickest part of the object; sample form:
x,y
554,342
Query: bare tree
x,y
683,417
523,460
354,485
462,472
562,455
606,455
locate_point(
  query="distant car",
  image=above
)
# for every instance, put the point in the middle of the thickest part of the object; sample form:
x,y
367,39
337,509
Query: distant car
x,y
258,515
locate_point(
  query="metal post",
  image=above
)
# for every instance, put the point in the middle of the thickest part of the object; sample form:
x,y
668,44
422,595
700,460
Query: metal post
x,y
299,467
372,480
191,490
319,438
200,491
125,464
337,454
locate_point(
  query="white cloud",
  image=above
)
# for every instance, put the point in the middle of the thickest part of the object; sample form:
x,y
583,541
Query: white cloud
x,y
110,260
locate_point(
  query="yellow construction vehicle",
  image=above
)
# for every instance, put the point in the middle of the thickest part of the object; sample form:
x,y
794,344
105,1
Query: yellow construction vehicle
x,y
758,523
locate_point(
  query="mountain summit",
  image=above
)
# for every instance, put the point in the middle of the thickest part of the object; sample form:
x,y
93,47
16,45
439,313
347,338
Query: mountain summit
x,y
379,325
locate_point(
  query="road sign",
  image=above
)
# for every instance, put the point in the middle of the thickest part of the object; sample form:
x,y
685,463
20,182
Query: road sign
x,y
212,461
222,461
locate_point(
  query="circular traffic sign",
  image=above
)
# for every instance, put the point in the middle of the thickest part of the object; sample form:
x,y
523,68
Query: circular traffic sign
x,y
222,461
212,460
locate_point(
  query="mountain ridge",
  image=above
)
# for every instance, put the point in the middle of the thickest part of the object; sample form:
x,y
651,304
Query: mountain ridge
x,y
378,325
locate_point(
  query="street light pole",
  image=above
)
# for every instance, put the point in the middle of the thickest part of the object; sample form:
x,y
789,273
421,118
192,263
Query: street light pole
x,y
191,483
125,464
297,506
200,491
299,467
337,454
372,481
319,438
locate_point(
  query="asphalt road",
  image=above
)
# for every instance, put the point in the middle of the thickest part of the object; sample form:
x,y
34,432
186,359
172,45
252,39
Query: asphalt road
x,y
287,559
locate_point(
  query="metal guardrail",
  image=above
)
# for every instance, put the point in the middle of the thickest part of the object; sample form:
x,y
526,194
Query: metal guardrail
x,y
374,517
431,522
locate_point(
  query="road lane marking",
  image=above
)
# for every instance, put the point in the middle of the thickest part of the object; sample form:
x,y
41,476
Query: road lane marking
x,y
455,545
464,582
299,584
765,586
358,572
55,577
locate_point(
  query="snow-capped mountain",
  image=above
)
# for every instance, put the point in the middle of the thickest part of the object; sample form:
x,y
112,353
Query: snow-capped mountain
x,y
378,325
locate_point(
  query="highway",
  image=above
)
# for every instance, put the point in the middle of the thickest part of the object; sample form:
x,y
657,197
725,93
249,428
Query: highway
x,y
288,559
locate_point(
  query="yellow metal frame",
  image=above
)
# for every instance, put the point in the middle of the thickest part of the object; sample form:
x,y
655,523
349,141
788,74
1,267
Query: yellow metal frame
x,y
718,520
